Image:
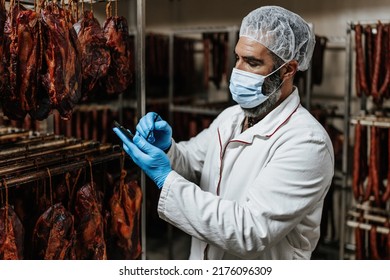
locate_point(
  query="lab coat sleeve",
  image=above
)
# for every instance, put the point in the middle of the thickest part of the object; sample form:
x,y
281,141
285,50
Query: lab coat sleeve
x,y
293,183
187,157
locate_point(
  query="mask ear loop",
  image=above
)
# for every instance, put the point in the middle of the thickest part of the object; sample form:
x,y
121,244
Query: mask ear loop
x,y
293,70
276,90
280,85
276,70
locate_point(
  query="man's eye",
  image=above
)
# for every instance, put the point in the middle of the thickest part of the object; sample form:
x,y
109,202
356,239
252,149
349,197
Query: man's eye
x,y
253,63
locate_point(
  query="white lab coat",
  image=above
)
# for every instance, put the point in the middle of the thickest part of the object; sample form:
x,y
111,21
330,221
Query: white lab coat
x,y
252,195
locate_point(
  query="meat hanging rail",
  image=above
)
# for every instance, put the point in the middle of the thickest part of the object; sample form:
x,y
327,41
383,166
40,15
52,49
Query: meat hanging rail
x,y
31,2
32,157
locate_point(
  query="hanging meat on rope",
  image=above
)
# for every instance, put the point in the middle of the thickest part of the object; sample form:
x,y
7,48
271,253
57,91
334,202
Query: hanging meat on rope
x,y
3,17
53,235
372,66
11,235
13,104
361,79
383,86
360,168
219,57
125,208
90,244
119,75
95,54
28,56
376,64
386,194
61,66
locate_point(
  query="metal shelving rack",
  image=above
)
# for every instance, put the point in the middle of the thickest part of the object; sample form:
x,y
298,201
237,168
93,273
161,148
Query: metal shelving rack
x,y
232,37
141,100
349,120
232,31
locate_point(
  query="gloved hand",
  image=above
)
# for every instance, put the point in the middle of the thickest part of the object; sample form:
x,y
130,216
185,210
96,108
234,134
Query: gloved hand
x,y
153,161
160,131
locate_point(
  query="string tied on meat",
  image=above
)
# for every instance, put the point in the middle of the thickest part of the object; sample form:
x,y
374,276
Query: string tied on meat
x,y
50,186
90,170
6,206
1,197
91,175
108,9
67,182
123,175
72,192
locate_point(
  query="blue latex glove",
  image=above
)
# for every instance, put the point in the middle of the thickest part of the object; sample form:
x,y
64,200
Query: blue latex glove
x,y
154,129
153,161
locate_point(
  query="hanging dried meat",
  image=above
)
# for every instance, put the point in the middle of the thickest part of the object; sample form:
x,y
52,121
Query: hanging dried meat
x,y
13,104
3,16
95,54
90,243
28,54
125,208
119,75
45,65
53,235
61,66
372,63
11,235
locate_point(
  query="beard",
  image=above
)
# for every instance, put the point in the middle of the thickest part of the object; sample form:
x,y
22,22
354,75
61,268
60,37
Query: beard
x,y
270,87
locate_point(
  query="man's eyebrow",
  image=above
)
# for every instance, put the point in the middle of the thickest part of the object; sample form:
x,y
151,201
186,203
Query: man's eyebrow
x,y
253,59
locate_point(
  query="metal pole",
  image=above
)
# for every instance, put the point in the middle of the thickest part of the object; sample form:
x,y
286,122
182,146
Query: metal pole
x,y
141,101
345,167
171,121
171,78
233,39
308,88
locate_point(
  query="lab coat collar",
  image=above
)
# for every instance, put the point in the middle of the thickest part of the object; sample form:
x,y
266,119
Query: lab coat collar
x,y
264,128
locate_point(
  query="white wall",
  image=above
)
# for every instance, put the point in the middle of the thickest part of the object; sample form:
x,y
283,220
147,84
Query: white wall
x,y
329,17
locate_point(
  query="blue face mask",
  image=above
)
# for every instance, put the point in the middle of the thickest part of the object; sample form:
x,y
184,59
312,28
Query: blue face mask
x,y
246,88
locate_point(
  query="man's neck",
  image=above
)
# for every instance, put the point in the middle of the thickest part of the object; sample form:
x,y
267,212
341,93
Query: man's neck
x,y
250,121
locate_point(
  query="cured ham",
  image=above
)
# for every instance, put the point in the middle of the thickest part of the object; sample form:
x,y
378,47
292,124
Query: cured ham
x,y
53,234
90,225
95,54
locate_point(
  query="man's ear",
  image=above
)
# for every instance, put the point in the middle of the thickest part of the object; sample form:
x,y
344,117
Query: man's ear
x,y
291,69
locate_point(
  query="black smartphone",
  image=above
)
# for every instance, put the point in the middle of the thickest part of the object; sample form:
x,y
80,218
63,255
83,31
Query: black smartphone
x,y
124,130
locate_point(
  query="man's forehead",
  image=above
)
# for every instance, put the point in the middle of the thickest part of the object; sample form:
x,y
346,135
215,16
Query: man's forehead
x,y
247,46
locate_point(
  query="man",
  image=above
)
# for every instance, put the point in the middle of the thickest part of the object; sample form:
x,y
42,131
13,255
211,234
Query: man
x,y
252,185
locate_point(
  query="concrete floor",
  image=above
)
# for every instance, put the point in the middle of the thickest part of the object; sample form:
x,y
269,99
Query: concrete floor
x,y
174,245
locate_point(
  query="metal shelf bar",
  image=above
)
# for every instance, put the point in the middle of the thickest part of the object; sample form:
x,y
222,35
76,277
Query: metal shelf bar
x,y
42,174
368,227
195,110
372,121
